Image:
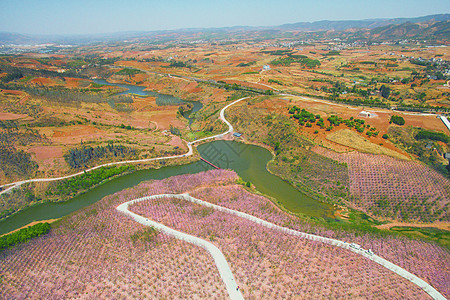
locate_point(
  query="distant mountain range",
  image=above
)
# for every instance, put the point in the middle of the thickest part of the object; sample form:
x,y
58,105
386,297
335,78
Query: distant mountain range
x,y
366,24
434,27
438,30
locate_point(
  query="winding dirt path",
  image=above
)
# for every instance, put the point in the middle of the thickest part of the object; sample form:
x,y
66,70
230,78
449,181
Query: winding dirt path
x,y
221,262
10,186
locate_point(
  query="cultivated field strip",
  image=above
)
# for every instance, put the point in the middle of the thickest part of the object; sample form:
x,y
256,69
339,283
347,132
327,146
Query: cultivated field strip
x,y
222,264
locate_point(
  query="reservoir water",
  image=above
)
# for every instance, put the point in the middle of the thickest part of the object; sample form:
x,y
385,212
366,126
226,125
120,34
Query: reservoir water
x,y
161,99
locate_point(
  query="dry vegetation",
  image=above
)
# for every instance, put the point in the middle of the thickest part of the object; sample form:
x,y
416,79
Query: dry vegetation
x,y
351,139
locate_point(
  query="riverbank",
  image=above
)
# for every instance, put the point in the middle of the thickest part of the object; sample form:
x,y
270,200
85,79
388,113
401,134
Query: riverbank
x,y
438,225
31,224
49,209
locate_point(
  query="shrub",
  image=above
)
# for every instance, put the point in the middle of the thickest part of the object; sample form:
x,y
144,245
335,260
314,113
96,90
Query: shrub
x,y
16,162
397,120
129,72
385,91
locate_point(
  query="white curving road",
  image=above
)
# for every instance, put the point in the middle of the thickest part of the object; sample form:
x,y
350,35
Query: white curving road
x,y
221,117
10,186
217,255
221,262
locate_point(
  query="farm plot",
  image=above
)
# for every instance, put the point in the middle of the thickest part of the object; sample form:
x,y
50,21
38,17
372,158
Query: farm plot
x,y
392,188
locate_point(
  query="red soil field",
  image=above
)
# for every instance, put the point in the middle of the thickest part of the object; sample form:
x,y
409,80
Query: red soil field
x,y
72,82
42,81
13,92
76,130
165,118
73,134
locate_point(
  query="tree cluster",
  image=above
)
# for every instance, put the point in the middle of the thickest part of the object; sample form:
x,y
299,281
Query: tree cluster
x,y
301,59
76,185
432,135
23,235
65,95
385,91
397,120
16,163
14,72
81,157
174,130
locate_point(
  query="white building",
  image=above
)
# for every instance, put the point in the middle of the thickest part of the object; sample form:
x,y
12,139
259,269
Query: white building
x,y
367,114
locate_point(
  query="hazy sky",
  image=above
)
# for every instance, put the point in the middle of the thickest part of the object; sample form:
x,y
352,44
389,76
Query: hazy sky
x,y
103,16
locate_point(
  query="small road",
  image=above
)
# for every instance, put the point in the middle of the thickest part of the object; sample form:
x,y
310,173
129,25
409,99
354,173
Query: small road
x,y
221,117
372,109
10,186
176,77
445,121
222,264
217,255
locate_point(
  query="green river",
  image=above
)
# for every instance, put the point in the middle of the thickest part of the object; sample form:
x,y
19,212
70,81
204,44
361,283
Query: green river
x,y
248,161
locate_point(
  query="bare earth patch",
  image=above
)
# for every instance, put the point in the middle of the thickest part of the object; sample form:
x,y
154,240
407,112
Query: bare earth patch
x,y
176,141
72,82
42,81
11,116
46,152
166,118
73,134
32,224
439,225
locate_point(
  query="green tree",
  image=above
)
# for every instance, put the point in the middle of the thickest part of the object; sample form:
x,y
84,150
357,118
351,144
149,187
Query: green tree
x,y
385,91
